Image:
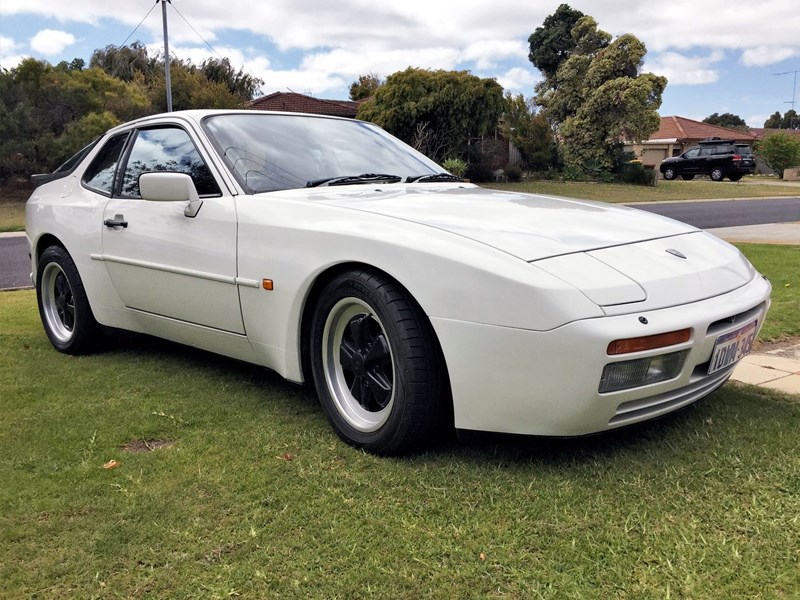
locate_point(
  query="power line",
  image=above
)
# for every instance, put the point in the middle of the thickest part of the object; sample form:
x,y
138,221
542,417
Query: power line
x,y
210,47
140,23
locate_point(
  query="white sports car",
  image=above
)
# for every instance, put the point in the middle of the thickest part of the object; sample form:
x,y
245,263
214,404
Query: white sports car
x,y
327,250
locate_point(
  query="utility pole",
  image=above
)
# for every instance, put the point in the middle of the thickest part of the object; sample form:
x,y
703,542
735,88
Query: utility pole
x,y
794,92
166,54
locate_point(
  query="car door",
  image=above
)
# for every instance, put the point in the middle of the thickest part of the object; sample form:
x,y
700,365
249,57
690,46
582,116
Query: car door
x,y
691,160
161,261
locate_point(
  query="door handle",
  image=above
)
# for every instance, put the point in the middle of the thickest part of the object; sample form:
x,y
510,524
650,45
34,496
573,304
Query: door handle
x,y
117,221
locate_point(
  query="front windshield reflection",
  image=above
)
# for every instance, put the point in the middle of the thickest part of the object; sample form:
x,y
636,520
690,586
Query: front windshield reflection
x,y
268,152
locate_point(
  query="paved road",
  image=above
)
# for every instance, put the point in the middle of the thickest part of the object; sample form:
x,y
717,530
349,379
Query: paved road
x,y
729,213
15,266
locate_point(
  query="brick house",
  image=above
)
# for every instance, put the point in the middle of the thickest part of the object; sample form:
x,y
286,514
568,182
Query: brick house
x,y
300,103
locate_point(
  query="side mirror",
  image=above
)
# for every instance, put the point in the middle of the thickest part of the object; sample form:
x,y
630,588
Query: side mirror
x,y
170,187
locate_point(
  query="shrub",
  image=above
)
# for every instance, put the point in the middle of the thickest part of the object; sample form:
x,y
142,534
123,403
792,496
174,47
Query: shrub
x,y
456,166
513,172
480,172
573,173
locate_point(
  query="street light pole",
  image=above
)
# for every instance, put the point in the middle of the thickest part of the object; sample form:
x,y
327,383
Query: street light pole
x,y
166,54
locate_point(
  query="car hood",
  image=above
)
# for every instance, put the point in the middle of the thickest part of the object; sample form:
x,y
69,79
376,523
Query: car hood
x,y
530,227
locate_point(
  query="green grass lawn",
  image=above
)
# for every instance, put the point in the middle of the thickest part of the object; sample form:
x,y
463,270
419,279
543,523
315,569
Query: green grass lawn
x,y
256,497
781,265
664,191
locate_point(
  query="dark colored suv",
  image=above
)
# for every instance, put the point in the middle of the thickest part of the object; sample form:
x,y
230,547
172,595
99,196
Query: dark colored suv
x,y
714,157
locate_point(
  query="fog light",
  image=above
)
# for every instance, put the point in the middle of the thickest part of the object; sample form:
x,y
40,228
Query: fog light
x,y
641,371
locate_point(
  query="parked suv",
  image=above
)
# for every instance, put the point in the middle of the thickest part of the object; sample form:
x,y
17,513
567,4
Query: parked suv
x,y
714,157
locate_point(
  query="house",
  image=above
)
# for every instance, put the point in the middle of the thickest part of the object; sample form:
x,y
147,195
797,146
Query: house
x,y
300,103
675,135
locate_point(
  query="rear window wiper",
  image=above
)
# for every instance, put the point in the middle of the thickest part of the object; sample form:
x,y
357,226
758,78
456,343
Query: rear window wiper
x,y
433,177
355,179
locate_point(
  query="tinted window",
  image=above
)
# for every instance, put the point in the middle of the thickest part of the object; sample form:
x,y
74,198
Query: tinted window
x,y
278,152
693,153
707,151
743,150
166,149
723,149
72,162
100,173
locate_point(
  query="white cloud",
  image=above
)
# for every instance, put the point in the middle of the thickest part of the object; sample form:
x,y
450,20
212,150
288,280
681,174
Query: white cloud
x,y
8,53
767,55
51,41
487,53
687,70
756,120
7,45
518,80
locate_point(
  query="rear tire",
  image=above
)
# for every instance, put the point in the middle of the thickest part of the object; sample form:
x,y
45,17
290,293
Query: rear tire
x,y
376,364
717,174
63,306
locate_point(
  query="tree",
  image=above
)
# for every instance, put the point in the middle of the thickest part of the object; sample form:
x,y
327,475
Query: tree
x,y
365,86
728,120
598,98
242,85
190,89
781,151
529,132
552,43
47,113
438,112
790,120
125,61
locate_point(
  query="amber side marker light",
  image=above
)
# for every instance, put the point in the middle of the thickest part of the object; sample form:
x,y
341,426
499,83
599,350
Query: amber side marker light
x,y
267,284
648,342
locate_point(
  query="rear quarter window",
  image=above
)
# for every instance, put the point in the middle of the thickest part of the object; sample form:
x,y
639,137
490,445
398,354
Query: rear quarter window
x,y
99,175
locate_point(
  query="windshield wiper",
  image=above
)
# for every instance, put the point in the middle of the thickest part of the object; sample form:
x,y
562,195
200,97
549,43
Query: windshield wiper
x,y
433,177
355,179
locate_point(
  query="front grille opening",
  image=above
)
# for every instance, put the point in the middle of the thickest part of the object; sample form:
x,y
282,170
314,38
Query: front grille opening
x,y
727,322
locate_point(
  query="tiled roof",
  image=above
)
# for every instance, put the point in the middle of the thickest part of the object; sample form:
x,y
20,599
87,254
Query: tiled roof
x,y
684,129
760,132
293,102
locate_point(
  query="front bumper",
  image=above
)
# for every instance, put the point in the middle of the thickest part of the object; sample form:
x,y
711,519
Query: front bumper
x,y
546,383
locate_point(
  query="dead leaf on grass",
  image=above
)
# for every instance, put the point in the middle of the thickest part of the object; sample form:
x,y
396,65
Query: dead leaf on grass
x,y
112,464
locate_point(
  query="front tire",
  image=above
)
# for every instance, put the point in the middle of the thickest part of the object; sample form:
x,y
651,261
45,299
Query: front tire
x,y
670,173
376,364
717,174
63,306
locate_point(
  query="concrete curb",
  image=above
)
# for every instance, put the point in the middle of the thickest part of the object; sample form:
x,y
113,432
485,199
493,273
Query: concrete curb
x,y
12,234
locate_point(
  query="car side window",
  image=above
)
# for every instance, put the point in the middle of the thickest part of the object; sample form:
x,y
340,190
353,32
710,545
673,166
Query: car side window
x,y
706,151
693,153
166,149
99,175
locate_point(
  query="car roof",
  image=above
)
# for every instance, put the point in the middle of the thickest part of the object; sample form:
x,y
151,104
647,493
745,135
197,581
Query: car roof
x,y
197,115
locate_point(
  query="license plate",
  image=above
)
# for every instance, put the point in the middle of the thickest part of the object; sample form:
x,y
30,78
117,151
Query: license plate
x,y
733,346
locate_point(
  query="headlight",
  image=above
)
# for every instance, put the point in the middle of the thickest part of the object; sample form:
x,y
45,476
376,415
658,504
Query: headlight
x,y
641,371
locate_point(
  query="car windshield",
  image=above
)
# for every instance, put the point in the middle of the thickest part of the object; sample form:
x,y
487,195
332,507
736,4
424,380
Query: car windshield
x,y
269,152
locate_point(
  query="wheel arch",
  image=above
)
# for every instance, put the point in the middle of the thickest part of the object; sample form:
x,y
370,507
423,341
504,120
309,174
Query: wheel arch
x,y
43,243
313,296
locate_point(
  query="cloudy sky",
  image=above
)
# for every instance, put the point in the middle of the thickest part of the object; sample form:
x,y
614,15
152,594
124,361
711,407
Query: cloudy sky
x,y
719,55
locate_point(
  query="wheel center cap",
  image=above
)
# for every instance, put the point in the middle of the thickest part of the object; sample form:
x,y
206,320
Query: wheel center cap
x,y
359,365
